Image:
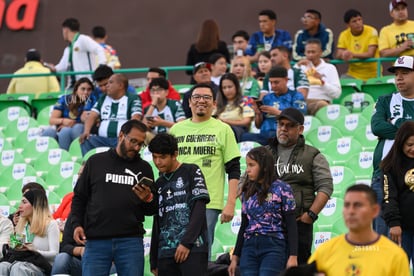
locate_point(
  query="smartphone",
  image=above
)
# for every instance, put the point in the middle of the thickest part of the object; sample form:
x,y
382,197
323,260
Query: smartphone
x,y
145,181
149,118
259,103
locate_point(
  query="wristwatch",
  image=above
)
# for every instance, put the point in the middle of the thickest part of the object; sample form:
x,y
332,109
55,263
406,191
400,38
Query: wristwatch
x,y
312,215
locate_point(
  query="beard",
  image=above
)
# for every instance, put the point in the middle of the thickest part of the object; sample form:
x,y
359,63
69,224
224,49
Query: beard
x,y
124,152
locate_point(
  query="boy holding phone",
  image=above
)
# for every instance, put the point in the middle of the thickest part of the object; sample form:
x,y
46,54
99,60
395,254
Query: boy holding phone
x,y
179,233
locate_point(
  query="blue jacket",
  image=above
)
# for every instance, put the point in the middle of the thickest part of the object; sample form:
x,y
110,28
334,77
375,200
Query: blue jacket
x,y
256,42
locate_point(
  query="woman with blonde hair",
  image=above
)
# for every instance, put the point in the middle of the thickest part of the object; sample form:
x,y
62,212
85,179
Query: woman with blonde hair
x,y
240,66
40,232
208,43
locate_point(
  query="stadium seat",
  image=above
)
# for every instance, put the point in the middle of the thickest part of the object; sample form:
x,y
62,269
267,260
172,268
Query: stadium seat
x,y
320,237
22,100
357,102
58,173
13,128
361,164
14,193
340,150
43,116
10,157
23,138
15,172
4,206
65,187
342,177
245,147
367,139
44,100
351,124
5,144
328,114
367,112
54,200
37,146
379,86
226,233
311,123
348,86
93,151
49,158
12,113
75,151
322,135
182,88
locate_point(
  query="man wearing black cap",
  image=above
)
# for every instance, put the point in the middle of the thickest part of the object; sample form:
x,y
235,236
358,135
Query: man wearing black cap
x,y
391,111
272,105
306,170
201,74
34,85
397,39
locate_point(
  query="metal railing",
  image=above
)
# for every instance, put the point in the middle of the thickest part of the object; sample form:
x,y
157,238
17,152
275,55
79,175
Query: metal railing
x,y
64,75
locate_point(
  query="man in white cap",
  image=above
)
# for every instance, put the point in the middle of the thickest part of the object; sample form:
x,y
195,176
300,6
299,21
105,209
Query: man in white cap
x,y
397,39
391,111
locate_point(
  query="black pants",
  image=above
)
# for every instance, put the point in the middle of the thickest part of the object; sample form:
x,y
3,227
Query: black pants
x,y
195,265
305,236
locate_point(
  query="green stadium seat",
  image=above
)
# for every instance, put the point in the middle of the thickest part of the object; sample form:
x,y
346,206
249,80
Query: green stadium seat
x,y
14,193
322,135
23,138
342,149
37,146
348,86
22,100
351,124
57,174
43,116
226,233
320,237
357,102
245,147
342,177
367,112
4,144
44,100
65,187
361,164
329,114
4,206
75,151
49,158
379,86
182,88
10,157
15,172
311,123
367,139
13,128
93,151
54,200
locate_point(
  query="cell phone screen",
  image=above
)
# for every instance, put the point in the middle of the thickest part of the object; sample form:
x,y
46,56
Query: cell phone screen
x,y
259,103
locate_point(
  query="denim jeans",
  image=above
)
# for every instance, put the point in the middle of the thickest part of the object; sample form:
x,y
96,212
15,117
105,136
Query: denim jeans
x,y
379,224
263,255
211,217
67,134
67,264
407,243
126,253
95,141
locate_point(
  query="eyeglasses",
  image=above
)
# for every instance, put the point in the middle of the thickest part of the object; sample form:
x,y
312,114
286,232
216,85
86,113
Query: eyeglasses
x,y
197,97
289,125
307,17
134,142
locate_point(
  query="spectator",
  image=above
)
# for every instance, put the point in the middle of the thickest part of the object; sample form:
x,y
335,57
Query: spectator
x,y
40,231
211,145
323,77
208,43
6,229
355,251
178,238
313,28
264,64
35,85
240,41
218,67
69,114
112,230
391,111
77,56
163,113
231,108
397,39
202,74
297,79
101,77
155,72
272,105
397,167
112,110
311,184
358,41
240,66
268,227
268,36
100,36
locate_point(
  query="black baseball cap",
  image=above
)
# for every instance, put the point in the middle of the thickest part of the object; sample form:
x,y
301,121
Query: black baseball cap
x,y
293,115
